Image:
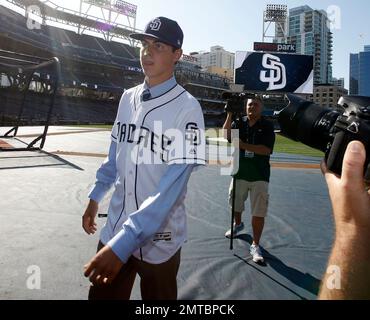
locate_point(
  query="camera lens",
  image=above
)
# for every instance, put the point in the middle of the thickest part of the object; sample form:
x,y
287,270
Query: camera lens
x,y
307,122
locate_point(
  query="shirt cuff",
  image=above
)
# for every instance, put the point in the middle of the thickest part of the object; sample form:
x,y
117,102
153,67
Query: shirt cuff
x,y
120,244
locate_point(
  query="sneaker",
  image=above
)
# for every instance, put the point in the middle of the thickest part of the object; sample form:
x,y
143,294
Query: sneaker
x,y
256,253
236,230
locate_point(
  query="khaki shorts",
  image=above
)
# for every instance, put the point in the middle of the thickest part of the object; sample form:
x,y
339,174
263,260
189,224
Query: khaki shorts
x,y
259,196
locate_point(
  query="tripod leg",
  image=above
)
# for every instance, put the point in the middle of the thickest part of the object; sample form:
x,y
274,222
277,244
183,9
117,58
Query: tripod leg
x,y
232,213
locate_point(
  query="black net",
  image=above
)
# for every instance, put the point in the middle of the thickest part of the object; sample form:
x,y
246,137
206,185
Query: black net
x,y
28,87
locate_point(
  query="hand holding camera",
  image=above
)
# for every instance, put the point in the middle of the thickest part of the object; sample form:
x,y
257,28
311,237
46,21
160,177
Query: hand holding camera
x,y
236,101
350,199
334,132
351,208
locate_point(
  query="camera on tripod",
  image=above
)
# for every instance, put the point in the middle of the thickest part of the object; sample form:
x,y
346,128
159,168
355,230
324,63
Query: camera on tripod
x,y
329,130
236,101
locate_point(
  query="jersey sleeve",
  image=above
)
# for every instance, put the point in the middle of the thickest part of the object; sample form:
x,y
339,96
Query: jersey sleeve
x,y
105,176
114,132
188,144
116,125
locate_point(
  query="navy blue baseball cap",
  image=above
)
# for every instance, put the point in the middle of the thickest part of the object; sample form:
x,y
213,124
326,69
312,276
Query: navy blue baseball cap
x,y
165,30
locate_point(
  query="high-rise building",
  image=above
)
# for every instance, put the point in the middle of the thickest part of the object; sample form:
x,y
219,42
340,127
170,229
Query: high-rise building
x,y
359,74
217,57
309,31
353,73
338,82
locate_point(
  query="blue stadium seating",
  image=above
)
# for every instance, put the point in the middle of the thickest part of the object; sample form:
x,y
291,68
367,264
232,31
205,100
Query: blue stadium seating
x,y
66,42
66,109
118,49
117,68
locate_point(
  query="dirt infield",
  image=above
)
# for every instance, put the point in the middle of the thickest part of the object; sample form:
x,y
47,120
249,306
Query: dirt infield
x,y
5,145
277,165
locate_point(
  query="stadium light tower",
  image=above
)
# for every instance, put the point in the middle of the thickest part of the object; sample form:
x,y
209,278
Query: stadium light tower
x,y
111,11
278,14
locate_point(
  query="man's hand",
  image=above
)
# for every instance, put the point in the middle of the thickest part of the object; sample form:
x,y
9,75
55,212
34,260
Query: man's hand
x,y
351,207
350,200
227,127
88,219
103,267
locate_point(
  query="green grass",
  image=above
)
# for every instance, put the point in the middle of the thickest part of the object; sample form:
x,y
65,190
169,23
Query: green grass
x,y
282,144
92,126
285,145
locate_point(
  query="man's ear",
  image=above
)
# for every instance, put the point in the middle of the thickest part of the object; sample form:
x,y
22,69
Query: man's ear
x,y
178,55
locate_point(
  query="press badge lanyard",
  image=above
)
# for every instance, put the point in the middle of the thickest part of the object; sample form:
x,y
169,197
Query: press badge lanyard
x,y
249,154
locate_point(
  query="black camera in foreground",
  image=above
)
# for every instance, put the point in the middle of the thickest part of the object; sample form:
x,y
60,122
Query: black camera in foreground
x,y
328,130
236,101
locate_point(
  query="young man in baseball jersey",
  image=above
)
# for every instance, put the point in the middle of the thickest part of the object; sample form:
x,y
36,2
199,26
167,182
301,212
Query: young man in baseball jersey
x,y
157,140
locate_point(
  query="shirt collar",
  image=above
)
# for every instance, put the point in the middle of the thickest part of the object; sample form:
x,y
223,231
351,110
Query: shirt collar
x,y
161,88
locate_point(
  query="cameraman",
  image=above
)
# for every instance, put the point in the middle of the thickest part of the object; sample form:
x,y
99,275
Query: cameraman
x,y
351,207
256,144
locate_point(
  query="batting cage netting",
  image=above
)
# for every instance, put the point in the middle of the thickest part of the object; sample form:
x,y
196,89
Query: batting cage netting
x,y
28,87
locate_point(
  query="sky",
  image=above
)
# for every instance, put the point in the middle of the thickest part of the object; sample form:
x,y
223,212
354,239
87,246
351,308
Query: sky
x,y
236,24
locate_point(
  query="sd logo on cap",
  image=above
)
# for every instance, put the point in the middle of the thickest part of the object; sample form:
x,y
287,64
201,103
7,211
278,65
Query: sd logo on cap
x,y
163,29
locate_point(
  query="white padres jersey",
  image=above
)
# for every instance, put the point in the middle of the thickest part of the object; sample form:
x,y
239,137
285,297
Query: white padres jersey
x,y
150,136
